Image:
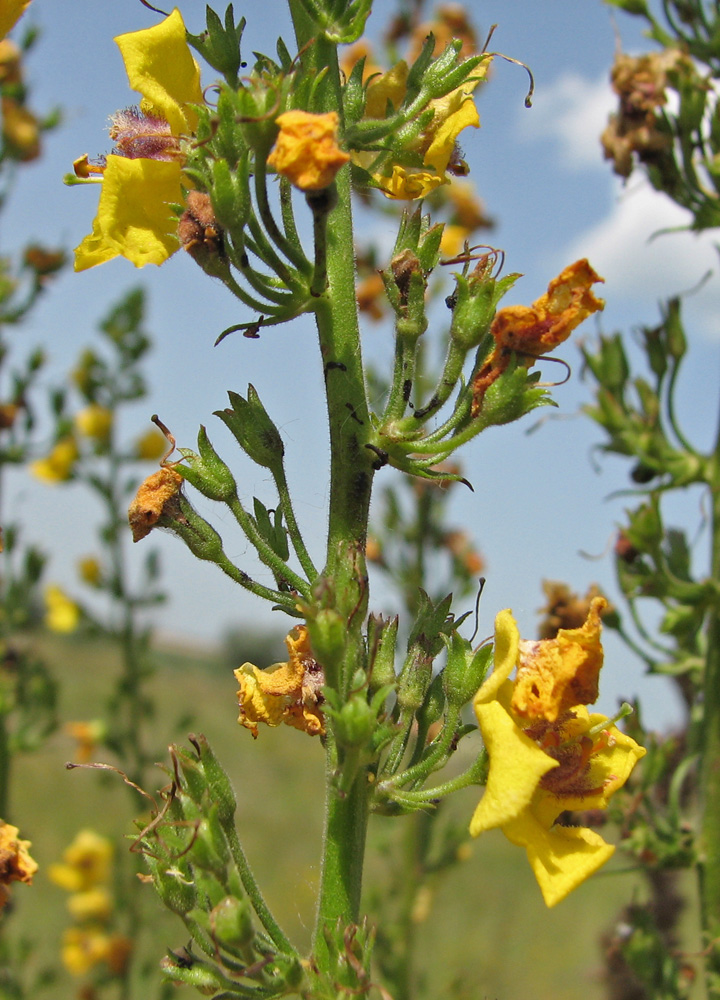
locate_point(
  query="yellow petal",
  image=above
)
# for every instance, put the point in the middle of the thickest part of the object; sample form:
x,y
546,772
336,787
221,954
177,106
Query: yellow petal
x,y
160,66
10,13
516,766
454,113
505,655
391,86
562,857
134,218
407,184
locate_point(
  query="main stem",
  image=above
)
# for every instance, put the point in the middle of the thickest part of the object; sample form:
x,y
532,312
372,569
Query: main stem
x,y
710,772
351,474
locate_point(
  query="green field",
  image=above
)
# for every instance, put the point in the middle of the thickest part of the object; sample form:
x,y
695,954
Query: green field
x,y
487,931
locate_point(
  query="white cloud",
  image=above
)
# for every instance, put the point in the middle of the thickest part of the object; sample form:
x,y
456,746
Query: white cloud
x,y
574,111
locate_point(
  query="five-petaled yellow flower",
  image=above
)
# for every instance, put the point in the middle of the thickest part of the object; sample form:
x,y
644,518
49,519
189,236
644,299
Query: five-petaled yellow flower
x,y
547,754
143,178
285,692
306,149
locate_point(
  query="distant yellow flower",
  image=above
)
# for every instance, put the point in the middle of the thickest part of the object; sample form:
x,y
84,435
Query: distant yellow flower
x,y
91,904
306,149
83,948
61,613
151,445
58,466
90,570
285,692
94,421
86,863
16,865
143,179
10,13
531,331
87,735
548,756
20,130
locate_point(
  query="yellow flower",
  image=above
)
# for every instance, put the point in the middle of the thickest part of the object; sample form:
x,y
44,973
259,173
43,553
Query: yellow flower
x,y
85,864
547,758
83,948
10,13
435,145
151,445
61,613
87,735
531,331
285,692
90,570
16,865
91,904
306,149
59,464
142,181
94,421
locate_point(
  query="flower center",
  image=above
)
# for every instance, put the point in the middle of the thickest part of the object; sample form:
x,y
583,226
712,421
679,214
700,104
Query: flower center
x,y
140,136
572,750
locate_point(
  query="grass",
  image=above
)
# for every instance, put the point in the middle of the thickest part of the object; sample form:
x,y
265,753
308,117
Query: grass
x,y
487,933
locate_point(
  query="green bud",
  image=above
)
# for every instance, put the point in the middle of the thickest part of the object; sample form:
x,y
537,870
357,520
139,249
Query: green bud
x,y
381,640
207,472
199,536
209,849
220,44
676,340
414,681
231,921
434,705
475,302
230,193
353,725
193,774
192,971
175,887
465,670
218,782
511,396
328,639
255,432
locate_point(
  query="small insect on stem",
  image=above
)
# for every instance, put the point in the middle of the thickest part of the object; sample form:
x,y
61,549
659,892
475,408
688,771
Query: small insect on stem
x,y
158,494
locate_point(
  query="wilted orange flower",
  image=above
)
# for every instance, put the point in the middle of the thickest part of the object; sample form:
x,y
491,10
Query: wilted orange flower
x,y
16,865
306,149
534,330
564,608
154,493
450,22
285,692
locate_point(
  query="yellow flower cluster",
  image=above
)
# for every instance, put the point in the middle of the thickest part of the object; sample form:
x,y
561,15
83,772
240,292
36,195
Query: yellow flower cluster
x,y
548,755
85,872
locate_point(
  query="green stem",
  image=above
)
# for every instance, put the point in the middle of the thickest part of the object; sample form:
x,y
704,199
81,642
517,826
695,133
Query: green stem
x,y
293,530
279,567
710,769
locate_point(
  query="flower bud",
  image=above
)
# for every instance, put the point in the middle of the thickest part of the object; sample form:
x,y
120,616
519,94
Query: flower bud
x,y
231,921
199,536
475,302
207,472
328,635
382,638
354,723
175,888
465,670
217,780
255,432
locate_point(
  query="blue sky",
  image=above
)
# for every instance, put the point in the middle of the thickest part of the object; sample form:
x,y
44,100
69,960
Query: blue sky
x,y
540,499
